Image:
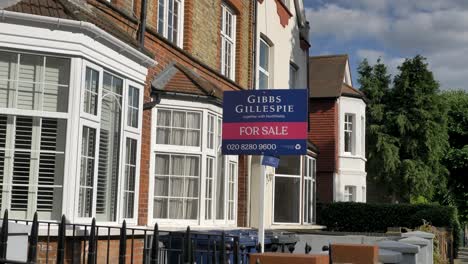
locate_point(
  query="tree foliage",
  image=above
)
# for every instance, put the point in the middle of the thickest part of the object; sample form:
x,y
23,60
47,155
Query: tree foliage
x,y
456,159
406,128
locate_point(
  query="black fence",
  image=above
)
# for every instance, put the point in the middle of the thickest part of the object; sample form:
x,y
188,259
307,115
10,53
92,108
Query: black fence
x,y
62,242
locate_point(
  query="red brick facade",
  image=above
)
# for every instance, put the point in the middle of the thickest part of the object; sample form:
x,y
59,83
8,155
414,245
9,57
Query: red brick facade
x,y
323,114
201,40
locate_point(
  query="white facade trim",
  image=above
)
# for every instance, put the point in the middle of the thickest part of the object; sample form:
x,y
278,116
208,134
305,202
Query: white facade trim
x,y
68,41
86,28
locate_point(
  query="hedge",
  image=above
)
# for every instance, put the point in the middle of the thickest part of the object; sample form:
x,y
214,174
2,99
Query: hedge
x,y
364,217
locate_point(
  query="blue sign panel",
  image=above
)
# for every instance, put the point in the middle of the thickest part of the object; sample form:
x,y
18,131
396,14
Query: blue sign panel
x,y
270,161
265,122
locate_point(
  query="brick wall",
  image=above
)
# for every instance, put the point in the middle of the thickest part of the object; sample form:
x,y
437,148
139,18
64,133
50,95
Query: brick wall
x,y
199,56
323,115
323,132
76,250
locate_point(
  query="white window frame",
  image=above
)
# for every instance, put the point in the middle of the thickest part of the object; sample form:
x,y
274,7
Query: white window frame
x,y
349,194
310,167
125,102
262,70
301,193
96,126
7,187
363,136
364,194
351,131
83,113
179,42
225,38
94,121
204,152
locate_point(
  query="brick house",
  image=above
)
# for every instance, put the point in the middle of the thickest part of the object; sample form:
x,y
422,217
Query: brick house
x,y
132,120
136,110
337,127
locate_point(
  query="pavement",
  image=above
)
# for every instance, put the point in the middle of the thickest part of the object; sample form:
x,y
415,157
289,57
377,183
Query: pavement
x,y
462,256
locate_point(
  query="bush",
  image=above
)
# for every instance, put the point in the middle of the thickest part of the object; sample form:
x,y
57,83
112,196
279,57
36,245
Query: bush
x,y
362,217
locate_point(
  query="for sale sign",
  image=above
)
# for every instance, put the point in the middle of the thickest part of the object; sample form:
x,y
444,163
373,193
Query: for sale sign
x,y
265,122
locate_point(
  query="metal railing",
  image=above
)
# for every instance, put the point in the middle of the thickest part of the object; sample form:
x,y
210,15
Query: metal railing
x,y
62,242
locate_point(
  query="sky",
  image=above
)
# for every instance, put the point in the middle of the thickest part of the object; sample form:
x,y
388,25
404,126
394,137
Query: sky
x,y
394,30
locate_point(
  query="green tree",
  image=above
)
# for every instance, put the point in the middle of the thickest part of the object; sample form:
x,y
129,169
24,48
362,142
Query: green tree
x,y
382,148
456,159
417,116
406,129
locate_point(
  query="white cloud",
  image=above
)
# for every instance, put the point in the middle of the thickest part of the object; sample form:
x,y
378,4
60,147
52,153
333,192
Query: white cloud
x,y
344,23
373,55
436,29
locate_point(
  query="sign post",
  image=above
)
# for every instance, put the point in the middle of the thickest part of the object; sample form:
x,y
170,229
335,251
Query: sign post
x,y
269,123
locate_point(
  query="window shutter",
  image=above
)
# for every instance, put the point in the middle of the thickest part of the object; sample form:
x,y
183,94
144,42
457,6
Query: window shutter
x,y
21,163
29,87
47,165
3,126
8,63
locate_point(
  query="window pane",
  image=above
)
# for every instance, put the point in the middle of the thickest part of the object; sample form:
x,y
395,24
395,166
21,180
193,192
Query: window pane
x,y
36,83
91,91
160,208
29,85
130,177
263,81
161,17
51,168
289,165
87,172
287,200
209,188
133,106
8,70
182,183
264,55
220,183
21,166
109,147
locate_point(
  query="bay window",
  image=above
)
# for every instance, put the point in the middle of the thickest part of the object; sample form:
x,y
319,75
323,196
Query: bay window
x,y
192,181
287,190
294,190
110,137
33,126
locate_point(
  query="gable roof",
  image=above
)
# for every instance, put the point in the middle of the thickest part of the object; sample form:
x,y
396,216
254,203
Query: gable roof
x,y
178,78
347,90
326,75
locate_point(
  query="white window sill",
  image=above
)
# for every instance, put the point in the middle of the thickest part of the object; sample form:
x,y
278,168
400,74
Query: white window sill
x,y
352,156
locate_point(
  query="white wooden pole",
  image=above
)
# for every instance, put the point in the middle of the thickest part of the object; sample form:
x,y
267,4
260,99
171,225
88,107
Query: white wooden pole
x,y
261,224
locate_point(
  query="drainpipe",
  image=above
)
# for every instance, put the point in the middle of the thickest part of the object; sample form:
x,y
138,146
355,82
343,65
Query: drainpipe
x,y
254,84
142,29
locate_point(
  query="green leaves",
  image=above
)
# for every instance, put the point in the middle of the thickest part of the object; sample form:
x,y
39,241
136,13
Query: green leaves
x,y
406,128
